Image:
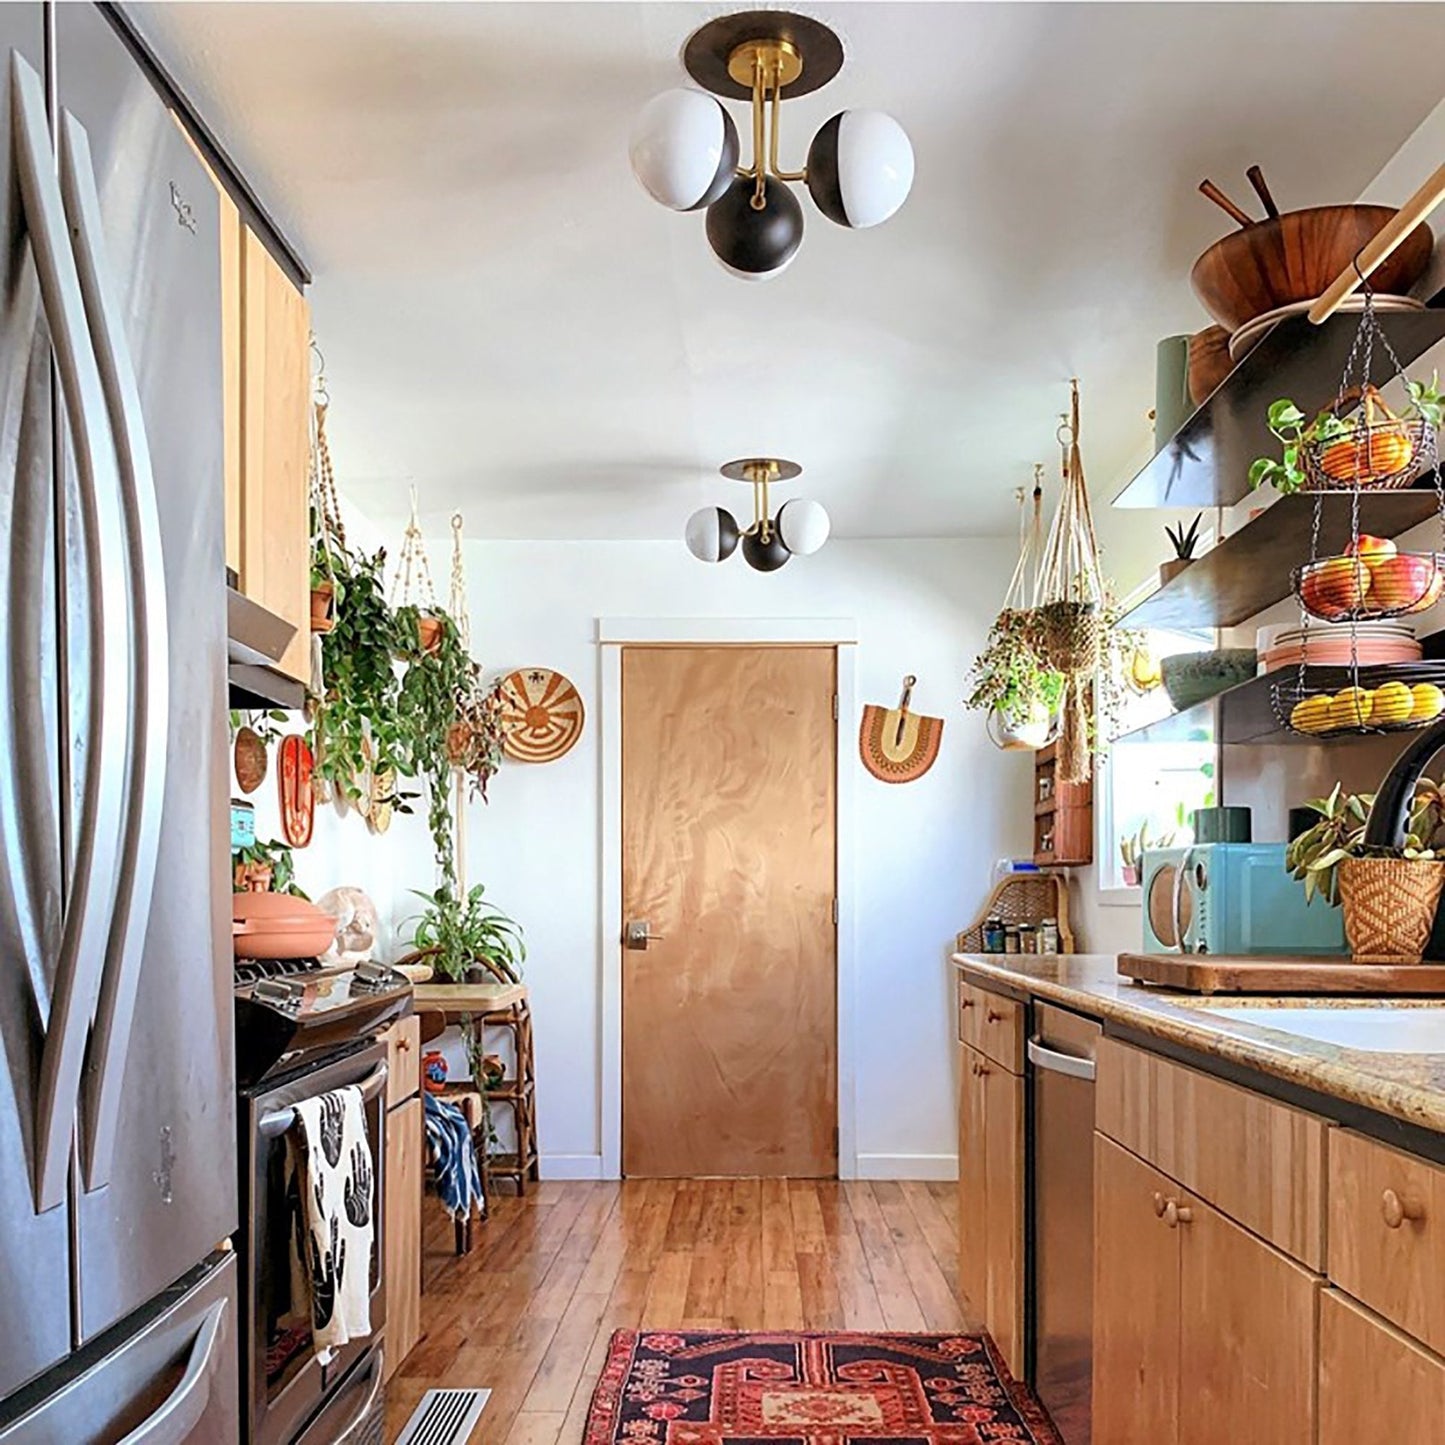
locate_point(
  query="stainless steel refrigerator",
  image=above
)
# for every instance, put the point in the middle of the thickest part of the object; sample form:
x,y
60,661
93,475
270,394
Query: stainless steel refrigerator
x,y
117,1107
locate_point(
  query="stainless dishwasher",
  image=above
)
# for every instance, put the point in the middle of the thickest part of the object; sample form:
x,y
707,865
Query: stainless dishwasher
x,y
1061,1214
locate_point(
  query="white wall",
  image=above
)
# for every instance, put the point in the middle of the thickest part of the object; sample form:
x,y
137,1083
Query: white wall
x,y
924,850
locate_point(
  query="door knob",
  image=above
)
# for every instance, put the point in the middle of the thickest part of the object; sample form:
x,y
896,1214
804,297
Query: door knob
x,y
638,934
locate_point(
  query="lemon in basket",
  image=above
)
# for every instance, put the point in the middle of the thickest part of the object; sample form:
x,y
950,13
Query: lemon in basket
x,y
1393,702
1350,708
1429,701
1311,714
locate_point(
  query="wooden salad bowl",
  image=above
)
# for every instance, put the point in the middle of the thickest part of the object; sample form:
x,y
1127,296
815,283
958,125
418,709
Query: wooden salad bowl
x,y
1293,257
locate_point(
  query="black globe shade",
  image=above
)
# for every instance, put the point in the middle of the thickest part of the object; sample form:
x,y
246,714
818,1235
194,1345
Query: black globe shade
x,y
765,556
755,244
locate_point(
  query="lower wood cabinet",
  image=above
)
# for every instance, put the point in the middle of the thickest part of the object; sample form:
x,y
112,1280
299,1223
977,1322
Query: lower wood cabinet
x,y
991,1200
404,1163
1202,1332
1375,1383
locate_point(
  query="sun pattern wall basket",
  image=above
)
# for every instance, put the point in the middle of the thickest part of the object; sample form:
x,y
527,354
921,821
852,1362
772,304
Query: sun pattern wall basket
x,y
542,715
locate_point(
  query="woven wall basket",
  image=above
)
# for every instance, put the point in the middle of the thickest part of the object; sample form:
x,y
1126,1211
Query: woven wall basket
x,y
1389,907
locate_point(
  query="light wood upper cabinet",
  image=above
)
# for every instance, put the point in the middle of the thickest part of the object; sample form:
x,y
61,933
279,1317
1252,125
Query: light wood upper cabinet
x,y
1375,1383
991,1200
274,446
1136,1301
231,247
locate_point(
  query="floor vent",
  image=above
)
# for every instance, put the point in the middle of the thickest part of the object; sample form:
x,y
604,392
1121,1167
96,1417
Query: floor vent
x,y
444,1417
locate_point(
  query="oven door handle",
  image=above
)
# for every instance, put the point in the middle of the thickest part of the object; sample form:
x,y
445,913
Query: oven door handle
x,y
185,1406
1057,1063
278,1121
378,1378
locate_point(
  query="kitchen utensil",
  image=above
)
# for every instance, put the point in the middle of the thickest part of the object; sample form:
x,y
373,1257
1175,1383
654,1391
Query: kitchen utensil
x,y
1208,188
1209,361
1190,677
1222,825
1256,179
298,800
897,745
1295,256
542,715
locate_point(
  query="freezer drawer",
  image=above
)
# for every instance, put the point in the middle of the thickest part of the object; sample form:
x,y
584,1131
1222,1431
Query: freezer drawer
x,y
170,1380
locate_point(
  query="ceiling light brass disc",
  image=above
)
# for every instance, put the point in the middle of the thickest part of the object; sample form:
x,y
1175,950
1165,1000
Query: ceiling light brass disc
x,y
749,469
709,51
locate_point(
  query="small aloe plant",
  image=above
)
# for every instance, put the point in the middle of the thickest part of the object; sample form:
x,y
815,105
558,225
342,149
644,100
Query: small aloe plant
x,y
1185,541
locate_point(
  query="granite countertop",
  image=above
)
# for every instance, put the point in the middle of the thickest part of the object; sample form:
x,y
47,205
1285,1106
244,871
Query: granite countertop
x,y
1409,1085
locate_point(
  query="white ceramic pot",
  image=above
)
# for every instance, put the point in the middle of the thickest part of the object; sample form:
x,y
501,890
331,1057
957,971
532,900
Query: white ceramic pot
x,y
1030,731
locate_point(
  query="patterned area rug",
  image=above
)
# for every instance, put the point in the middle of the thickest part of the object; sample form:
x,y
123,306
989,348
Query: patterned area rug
x,y
731,1388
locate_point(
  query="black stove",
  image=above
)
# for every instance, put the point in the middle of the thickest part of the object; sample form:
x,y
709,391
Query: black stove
x,y
294,1013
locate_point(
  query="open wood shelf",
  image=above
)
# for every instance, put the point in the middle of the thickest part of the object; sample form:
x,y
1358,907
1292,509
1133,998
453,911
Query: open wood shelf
x,y
1206,462
1250,569
1245,713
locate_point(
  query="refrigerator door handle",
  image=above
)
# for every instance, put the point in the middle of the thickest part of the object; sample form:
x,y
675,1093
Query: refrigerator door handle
x,y
150,697
96,831
182,1409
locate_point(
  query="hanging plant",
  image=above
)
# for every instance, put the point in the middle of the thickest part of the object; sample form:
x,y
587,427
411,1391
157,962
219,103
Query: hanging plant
x,y
434,677
355,727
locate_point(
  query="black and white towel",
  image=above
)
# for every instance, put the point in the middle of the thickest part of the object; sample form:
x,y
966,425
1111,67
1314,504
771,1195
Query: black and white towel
x,y
332,1158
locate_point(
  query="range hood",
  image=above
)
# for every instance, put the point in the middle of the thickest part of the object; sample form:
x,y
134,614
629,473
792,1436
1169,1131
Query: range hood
x,y
255,641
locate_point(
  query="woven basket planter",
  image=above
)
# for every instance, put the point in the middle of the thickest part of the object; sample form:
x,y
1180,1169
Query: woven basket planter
x,y
1389,906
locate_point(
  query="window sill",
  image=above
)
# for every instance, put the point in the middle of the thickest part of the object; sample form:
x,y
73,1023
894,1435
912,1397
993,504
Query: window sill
x,y
1121,897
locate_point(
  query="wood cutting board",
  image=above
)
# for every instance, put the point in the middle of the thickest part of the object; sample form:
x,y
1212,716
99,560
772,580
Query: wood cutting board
x,y
1258,973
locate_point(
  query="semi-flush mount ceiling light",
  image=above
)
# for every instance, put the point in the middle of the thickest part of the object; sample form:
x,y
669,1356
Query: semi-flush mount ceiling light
x,y
800,527
685,147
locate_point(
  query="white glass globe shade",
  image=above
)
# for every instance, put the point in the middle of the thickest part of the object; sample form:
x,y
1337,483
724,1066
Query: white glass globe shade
x,y
803,525
684,149
860,168
711,534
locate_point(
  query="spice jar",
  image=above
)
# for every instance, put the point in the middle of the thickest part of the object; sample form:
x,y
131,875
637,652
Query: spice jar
x,y
1011,938
1028,938
1049,936
993,935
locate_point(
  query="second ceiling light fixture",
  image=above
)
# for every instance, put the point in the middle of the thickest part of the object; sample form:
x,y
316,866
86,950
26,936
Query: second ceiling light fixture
x,y
685,147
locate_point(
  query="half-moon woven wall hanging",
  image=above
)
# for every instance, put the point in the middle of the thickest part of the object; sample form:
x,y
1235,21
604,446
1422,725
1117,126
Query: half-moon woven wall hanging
x,y
897,745
542,715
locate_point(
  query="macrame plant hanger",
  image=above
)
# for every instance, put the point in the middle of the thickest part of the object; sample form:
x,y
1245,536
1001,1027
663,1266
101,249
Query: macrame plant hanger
x,y
1069,601
459,737
413,571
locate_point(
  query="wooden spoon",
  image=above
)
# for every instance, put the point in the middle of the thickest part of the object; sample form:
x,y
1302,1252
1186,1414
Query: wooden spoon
x,y
1256,179
1208,188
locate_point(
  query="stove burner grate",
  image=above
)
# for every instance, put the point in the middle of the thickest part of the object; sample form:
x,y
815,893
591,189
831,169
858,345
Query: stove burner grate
x,y
252,970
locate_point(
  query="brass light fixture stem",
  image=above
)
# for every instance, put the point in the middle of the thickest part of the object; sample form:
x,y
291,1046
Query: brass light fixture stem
x,y
760,188
773,166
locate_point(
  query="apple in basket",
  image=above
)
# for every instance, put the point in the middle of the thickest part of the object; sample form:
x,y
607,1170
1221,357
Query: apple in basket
x,y
1335,586
1403,582
1370,550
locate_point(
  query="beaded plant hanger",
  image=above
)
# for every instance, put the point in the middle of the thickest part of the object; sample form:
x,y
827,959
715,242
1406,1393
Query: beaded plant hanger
x,y
474,742
1371,582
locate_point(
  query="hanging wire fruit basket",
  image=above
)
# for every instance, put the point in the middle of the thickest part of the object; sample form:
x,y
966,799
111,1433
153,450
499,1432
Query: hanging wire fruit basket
x,y
1370,585
1372,580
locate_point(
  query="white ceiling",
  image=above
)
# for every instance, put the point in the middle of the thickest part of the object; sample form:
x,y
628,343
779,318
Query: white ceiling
x,y
510,324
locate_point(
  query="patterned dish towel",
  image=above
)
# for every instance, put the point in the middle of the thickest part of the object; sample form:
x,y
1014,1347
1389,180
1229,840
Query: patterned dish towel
x,y
454,1154
332,1157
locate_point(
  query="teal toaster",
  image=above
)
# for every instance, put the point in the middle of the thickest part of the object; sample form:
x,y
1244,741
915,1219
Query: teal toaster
x,y
1232,898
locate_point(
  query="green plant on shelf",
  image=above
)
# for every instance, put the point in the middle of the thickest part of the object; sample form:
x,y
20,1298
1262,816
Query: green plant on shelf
x,y
1314,857
1185,540
1296,432
466,930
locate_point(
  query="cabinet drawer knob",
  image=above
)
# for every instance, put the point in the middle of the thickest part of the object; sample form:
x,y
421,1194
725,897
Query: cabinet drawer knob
x,y
1176,1214
979,1070
990,1016
1159,1204
1397,1210
965,1003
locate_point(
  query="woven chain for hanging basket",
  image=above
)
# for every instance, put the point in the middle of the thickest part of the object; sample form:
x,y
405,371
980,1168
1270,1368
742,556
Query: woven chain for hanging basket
x,y
1069,601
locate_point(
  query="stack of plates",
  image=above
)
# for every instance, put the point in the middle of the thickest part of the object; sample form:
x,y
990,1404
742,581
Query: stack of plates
x,y
1323,645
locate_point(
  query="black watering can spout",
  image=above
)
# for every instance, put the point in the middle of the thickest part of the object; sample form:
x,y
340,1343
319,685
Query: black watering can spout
x,y
1389,818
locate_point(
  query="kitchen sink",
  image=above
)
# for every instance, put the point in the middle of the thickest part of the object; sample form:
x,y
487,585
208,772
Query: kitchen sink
x,y
1383,1030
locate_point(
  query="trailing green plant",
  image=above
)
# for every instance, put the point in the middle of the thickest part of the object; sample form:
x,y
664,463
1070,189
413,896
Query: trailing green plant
x,y
355,727
1314,857
1009,676
1184,542
434,682
1296,431
275,856
466,930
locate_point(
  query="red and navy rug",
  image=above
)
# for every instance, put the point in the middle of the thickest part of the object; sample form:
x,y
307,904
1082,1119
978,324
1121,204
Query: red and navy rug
x,y
731,1388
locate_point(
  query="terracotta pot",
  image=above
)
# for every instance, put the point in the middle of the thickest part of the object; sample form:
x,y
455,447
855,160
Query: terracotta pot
x,y
323,609
1294,257
1389,906
252,877
1169,570
429,633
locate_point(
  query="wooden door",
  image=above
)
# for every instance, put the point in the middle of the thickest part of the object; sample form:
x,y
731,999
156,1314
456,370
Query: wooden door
x,y
729,1022
1248,1336
1003,1133
972,1183
1375,1382
1136,1303
275,447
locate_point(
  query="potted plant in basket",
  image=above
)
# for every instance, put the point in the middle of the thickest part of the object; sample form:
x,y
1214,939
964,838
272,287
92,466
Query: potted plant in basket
x,y
466,935
1011,683
1373,448
1389,890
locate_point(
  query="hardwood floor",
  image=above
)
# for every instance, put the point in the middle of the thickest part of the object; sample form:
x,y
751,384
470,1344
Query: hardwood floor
x,y
530,1310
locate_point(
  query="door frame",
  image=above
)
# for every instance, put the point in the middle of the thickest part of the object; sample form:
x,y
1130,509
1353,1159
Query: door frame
x,y
613,634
